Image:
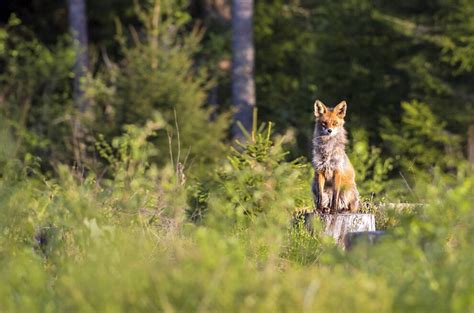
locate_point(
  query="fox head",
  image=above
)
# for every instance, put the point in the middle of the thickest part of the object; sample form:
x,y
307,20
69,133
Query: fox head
x,y
329,121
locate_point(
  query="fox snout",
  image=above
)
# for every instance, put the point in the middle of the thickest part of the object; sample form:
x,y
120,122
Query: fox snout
x,y
328,131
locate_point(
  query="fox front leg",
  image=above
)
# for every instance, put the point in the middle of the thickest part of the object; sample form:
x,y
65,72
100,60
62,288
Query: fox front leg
x,y
337,180
319,181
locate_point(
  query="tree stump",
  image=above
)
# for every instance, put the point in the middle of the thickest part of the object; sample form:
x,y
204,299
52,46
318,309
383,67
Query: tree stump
x,y
338,225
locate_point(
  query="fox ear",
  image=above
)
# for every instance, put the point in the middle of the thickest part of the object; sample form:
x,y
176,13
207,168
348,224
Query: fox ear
x,y
340,109
319,108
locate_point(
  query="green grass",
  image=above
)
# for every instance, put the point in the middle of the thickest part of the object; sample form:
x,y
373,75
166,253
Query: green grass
x,y
126,244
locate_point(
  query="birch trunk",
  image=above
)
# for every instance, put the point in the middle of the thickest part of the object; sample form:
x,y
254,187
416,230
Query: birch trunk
x,y
243,55
78,26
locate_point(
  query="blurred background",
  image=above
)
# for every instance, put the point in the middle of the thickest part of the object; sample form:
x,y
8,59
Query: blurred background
x,y
71,70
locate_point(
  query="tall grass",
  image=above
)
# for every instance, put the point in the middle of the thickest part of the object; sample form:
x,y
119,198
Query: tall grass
x,y
124,242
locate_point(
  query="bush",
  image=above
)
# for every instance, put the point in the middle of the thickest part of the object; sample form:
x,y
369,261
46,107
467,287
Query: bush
x,y
156,74
421,143
371,168
256,183
36,100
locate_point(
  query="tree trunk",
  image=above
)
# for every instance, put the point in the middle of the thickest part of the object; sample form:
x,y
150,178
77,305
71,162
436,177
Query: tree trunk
x,y
78,26
243,85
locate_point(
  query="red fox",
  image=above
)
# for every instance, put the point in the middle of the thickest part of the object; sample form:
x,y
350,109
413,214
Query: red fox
x,y
334,186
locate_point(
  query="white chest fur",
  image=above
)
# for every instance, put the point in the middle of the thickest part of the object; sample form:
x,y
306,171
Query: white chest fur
x,y
329,154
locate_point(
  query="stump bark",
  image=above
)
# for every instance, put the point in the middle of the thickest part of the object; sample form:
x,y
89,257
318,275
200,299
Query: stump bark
x,y
338,225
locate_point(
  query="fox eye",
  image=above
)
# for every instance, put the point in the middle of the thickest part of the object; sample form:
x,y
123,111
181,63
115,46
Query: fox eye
x,y
324,124
334,124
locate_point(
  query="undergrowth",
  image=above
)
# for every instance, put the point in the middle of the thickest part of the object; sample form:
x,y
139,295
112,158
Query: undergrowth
x,y
138,239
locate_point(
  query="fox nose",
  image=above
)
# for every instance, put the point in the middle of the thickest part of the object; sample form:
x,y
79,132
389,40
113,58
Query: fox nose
x,y
329,130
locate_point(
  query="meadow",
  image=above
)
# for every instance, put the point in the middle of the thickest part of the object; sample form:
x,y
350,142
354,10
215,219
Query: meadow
x,y
142,240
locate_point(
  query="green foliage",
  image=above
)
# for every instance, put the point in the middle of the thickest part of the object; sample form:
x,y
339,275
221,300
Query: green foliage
x,y
255,181
137,262
458,47
132,150
302,246
156,74
371,168
372,54
35,91
430,250
197,200
285,46
421,141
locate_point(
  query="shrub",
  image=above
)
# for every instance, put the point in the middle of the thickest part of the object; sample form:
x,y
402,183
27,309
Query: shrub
x,y
421,142
371,168
256,183
157,74
36,92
